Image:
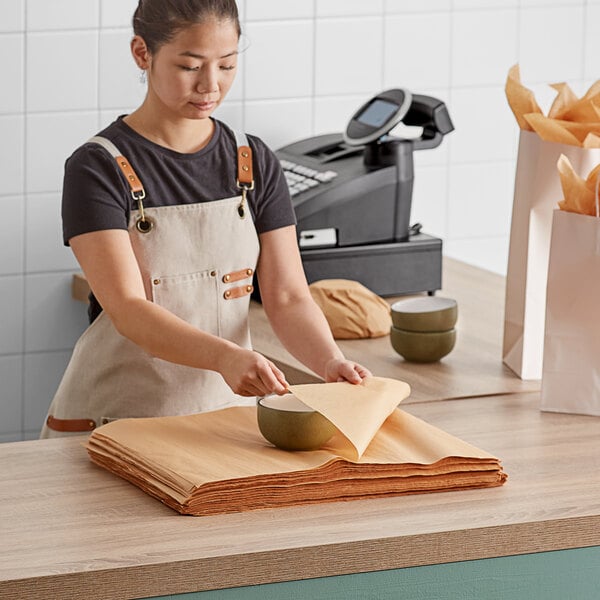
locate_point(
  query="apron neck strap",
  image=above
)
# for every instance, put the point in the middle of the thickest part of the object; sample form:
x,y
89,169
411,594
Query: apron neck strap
x,y
245,177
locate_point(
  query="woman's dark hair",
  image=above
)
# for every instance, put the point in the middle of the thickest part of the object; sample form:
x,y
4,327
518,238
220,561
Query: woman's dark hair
x,y
159,21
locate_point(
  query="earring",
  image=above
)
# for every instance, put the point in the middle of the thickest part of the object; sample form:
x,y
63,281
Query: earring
x,y
143,76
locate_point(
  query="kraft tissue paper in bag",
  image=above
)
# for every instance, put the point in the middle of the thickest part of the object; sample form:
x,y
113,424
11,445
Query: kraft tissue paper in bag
x,y
571,368
571,128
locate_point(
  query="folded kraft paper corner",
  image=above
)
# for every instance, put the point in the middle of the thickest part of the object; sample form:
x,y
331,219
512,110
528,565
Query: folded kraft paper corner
x,y
218,462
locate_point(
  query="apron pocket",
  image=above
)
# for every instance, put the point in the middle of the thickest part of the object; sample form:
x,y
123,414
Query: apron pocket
x,y
193,297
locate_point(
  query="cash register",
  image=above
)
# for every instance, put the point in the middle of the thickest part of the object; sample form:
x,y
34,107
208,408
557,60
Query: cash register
x,y
352,195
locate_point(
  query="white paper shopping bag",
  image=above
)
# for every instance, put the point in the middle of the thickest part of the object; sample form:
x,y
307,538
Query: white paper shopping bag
x,y
537,191
571,365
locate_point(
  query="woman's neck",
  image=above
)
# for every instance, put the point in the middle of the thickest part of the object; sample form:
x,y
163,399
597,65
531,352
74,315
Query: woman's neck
x,y
182,135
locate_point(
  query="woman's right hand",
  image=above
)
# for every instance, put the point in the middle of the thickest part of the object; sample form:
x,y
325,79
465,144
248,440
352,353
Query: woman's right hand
x,y
249,373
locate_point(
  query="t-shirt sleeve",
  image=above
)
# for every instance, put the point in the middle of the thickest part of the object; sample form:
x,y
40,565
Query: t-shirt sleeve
x,y
95,196
271,200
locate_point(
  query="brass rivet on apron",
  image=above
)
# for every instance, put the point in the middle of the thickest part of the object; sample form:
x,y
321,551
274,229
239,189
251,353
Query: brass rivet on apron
x,y
131,177
249,272
213,273
123,164
245,168
245,154
227,294
156,281
226,278
249,288
144,225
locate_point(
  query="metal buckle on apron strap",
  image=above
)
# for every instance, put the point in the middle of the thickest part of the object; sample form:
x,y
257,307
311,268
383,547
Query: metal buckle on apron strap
x,y
143,224
70,425
245,178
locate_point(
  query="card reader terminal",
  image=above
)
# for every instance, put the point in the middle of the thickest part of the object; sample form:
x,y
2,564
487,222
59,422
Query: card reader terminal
x,y
352,195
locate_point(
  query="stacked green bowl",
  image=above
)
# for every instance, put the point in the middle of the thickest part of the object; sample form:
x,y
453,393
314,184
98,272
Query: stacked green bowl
x,y
423,329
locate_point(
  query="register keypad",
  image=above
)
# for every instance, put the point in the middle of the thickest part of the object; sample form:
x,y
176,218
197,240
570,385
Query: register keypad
x,y
300,178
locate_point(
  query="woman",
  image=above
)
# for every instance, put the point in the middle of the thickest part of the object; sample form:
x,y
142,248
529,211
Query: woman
x,y
169,213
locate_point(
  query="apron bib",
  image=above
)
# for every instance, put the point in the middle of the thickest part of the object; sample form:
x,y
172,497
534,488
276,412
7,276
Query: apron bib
x,y
197,261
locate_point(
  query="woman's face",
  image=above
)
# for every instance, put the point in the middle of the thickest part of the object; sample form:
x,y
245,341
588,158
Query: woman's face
x,y
190,76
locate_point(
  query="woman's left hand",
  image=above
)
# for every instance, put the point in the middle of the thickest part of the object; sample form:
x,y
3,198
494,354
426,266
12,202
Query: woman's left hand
x,y
339,369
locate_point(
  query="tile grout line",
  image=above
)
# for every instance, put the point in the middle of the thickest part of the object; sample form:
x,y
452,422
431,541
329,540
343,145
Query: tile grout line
x,y
448,154
25,211
244,20
584,41
313,98
383,42
98,66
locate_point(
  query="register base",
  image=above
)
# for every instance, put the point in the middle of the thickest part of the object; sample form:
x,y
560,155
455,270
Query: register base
x,y
388,269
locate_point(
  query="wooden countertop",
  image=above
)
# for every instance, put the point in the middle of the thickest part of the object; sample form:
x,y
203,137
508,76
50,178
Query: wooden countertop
x,y
72,530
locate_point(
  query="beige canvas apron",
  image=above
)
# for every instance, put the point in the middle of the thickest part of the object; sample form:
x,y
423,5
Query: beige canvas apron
x,y
196,260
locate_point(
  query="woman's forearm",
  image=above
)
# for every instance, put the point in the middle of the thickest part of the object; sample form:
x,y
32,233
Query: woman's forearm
x,y
164,335
303,330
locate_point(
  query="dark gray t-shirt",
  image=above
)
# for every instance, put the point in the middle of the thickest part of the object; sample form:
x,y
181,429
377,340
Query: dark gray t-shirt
x,y
96,195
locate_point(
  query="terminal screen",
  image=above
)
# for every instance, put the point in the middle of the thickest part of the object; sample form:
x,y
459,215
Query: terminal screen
x,y
377,113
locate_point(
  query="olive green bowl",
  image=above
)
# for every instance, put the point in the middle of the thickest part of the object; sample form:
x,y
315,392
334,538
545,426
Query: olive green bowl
x,y
289,424
427,313
417,346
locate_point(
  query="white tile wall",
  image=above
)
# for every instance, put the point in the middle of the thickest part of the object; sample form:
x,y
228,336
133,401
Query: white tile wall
x,y
11,409
480,200
232,113
117,13
278,122
12,15
430,200
343,8
67,72
11,315
484,46
51,138
483,120
11,98
407,6
43,372
274,67
349,56
45,251
592,43
333,112
119,78
12,232
407,61
551,43
50,294
487,253
61,14
262,10
71,60
12,128
484,4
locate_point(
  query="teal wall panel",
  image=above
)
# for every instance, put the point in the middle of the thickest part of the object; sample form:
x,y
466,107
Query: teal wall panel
x,y
560,575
